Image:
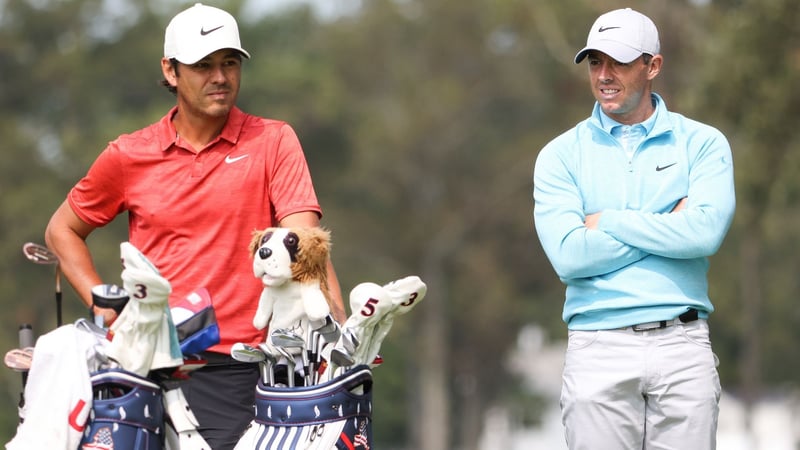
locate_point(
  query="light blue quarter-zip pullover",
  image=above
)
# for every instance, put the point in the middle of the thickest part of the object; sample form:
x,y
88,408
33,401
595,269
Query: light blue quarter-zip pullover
x,y
643,263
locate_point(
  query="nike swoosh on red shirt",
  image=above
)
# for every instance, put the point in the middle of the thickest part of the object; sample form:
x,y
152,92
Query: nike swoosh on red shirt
x,y
231,160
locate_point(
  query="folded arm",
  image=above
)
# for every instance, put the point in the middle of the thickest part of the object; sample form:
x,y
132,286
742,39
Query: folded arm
x,y
574,250
695,229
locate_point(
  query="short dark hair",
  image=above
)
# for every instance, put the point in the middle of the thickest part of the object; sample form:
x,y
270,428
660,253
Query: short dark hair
x,y
174,90
646,58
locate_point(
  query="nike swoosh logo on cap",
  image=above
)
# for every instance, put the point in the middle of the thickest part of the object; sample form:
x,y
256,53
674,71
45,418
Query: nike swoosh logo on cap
x,y
204,32
230,160
660,168
606,29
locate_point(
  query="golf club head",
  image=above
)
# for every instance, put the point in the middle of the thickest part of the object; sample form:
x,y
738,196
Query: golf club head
x,y
268,352
39,254
330,330
285,338
19,359
91,328
290,365
247,353
341,358
110,296
348,340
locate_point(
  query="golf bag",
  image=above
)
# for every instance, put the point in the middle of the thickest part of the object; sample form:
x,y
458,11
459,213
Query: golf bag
x,y
332,415
127,412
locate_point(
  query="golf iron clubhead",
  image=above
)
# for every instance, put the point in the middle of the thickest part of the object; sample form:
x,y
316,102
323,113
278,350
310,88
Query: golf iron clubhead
x,y
40,254
329,329
285,339
270,360
247,353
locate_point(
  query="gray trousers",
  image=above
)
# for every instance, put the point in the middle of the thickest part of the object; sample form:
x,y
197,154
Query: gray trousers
x,y
643,390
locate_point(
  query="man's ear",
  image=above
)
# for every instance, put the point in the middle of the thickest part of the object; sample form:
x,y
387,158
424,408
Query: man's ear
x,y
655,66
169,72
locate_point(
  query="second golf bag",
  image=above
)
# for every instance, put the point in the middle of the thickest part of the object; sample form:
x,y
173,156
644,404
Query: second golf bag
x,y
336,414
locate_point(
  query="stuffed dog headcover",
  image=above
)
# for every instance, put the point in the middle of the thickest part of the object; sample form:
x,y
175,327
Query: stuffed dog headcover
x,y
292,265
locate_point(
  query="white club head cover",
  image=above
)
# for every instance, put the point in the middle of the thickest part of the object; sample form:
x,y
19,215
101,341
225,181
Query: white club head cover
x,y
369,303
406,293
144,334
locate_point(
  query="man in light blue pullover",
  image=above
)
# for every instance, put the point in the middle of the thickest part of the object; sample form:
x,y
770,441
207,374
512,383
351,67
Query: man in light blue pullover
x,y
628,205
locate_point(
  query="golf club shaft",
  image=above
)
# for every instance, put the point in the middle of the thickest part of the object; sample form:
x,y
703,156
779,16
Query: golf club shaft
x,y
25,340
59,318
40,254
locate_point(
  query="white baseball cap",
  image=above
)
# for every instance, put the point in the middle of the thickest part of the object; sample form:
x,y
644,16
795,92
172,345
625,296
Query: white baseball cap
x,y
199,31
623,34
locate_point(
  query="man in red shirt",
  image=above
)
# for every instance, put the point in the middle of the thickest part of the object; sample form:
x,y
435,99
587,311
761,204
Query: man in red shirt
x,y
195,185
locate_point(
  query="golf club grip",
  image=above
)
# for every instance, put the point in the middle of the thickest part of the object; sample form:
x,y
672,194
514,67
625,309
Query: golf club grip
x,y
117,304
26,340
59,320
25,336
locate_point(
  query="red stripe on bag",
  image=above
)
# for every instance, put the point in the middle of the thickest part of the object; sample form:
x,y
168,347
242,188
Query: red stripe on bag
x,y
346,441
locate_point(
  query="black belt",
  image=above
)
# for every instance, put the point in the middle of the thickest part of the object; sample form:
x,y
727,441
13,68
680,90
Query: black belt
x,y
221,359
689,316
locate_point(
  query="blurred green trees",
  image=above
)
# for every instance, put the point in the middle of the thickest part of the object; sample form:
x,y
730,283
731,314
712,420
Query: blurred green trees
x,y
421,121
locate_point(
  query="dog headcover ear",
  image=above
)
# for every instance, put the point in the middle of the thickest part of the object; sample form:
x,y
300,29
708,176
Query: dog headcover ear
x,y
255,242
312,257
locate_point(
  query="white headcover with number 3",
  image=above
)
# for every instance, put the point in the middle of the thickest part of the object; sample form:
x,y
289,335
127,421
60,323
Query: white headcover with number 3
x,y
144,335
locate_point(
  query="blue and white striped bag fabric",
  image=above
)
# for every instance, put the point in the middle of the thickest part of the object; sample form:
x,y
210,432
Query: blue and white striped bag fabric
x,y
333,415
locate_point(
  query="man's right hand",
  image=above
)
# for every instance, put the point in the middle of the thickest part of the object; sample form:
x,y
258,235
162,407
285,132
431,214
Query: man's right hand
x,y
108,314
592,220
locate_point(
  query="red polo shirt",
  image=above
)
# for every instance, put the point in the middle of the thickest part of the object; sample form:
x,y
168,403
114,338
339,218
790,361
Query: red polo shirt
x,y
192,212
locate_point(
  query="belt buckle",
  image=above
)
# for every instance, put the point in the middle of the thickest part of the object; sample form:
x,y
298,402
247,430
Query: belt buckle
x,y
649,326
689,316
